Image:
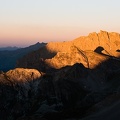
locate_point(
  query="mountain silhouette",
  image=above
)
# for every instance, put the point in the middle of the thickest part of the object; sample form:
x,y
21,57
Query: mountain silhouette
x,y
9,48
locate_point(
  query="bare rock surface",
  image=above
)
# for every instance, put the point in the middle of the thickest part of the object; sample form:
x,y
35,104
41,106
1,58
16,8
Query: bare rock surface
x,y
21,74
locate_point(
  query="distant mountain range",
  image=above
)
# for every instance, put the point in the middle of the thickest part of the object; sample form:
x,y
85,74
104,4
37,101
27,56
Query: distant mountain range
x,y
9,48
10,55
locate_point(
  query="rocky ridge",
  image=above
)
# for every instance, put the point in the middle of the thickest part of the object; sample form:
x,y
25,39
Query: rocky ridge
x,y
60,54
71,81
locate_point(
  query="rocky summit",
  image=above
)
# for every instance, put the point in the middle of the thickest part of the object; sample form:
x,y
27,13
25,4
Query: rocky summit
x,y
72,80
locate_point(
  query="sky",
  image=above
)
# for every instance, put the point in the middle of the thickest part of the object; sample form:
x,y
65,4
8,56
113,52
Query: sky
x,y
25,22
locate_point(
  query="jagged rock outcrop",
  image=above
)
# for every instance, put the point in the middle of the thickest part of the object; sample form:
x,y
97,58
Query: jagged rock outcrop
x,y
23,75
109,41
89,59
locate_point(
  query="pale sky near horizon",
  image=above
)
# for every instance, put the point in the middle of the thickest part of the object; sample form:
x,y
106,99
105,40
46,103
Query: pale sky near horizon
x,y
25,22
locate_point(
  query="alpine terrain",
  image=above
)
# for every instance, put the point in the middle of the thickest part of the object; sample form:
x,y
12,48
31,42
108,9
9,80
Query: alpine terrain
x,y
72,80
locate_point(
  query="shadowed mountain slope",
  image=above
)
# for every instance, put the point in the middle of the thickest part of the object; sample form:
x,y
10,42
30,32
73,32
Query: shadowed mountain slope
x,y
9,48
8,58
70,92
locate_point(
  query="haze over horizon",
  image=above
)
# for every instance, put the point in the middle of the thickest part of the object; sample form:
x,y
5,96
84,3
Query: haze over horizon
x,y
26,22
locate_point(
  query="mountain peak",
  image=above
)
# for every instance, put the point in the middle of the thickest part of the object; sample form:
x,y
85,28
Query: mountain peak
x,y
37,43
108,40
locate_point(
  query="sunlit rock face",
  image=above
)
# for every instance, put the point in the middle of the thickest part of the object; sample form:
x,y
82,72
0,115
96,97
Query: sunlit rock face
x,y
89,59
23,75
91,48
108,40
